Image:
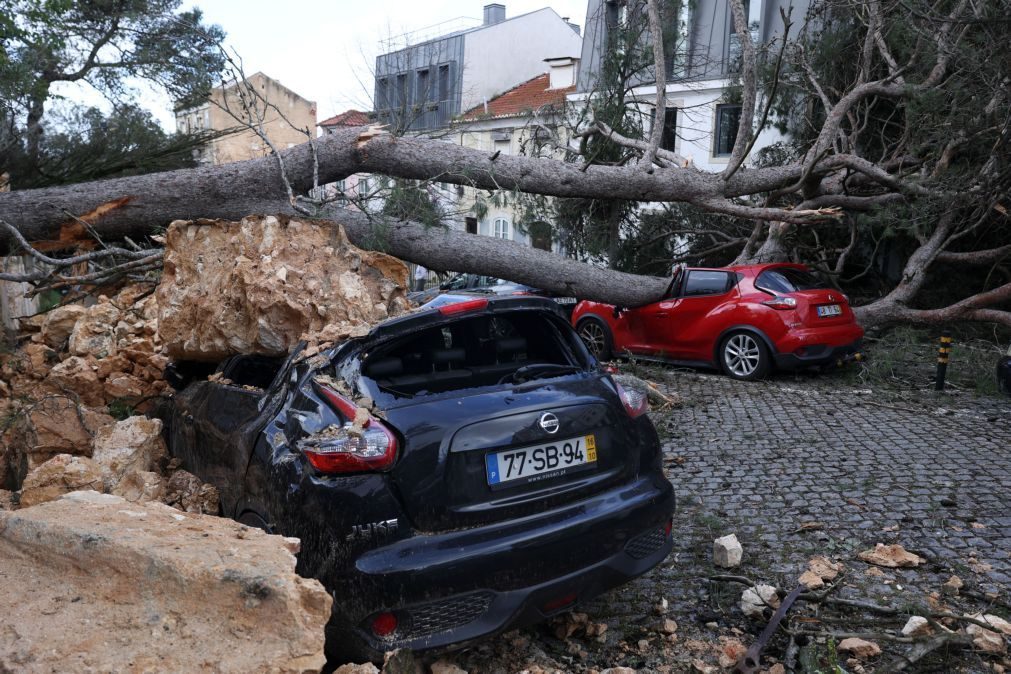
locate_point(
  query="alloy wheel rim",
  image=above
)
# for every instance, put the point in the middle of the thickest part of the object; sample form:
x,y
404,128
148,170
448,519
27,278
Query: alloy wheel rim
x,y
593,336
742,355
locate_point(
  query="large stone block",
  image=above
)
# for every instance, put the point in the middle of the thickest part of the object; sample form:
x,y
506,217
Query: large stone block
x,y
260,285
95,583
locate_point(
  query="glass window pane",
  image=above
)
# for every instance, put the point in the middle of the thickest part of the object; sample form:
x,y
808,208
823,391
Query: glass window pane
x,y
706,283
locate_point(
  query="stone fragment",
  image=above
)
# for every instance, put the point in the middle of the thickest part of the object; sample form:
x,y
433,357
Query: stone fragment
x,y
756,599
220,293
727,551
661,607
187,492
367,668
94,333
6,500
891,556
916,626
59,323
446,667
123,386
141,486
825,568
131,445
860,648
996,622
400,661
777,668
53,425
873,571
619,670
811,580
701,667
77,374
988,641
952,586
59,475
731,650
94,583
669,626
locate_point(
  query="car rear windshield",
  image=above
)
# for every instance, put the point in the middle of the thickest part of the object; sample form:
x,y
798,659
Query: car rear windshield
x,y
471,352
786,280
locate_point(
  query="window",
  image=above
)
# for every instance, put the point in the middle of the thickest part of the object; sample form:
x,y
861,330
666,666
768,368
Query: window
x,y
702,282
501,229
382,94
502,146
424,93
401,91
670,120
471,224
787,280
728,117
444,83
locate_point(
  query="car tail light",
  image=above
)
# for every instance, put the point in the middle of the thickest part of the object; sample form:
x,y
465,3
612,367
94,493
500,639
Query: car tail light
x,y
384,624
667,528
781,302
521,292
636,403
346,449
463,307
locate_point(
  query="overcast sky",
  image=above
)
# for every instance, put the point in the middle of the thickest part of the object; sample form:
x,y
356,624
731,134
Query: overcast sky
x,y
325,51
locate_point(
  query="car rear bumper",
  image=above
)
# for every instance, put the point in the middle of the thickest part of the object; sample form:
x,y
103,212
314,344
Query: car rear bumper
x,y
813,355
498,577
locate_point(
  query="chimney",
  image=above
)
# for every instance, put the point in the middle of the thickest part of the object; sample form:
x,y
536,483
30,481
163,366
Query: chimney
x,y
494,13
562,72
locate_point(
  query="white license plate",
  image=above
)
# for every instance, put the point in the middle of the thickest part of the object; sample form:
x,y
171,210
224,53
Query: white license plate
x,y
565,300
830,310
541,461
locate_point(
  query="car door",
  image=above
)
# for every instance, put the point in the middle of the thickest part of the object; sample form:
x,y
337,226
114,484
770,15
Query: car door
x,y
685,327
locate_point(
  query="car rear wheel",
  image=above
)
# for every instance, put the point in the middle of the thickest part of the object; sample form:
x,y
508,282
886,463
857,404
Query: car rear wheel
x,y
744,357
597,338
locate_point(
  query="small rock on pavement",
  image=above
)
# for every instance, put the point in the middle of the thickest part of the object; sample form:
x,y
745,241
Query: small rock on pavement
x,y
619,670
916,626
952,586
446,667
989,640
861,648
891,556
669,626
727,551
824,568
660,608
400,661
367,668
700,667
811,580
756,599
731,650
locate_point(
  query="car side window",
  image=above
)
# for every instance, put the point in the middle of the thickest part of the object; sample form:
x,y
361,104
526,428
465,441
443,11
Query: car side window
x,y
703,282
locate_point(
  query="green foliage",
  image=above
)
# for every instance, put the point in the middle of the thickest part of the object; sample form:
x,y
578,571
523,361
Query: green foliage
x,y
411,200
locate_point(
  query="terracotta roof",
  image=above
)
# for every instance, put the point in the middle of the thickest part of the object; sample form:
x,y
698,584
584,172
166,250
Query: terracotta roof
x,y
348,118
521,99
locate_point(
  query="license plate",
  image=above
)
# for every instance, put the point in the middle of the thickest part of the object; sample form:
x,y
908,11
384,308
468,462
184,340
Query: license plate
x,y
829,310
540,462
565,300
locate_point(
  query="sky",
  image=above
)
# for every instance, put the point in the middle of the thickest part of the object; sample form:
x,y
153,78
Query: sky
x,y
325,51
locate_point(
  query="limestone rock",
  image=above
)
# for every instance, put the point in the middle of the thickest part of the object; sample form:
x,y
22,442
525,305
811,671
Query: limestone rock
x,y
367,668
916,626
731,650
187,492
94,333
59,475
989,640
59,323
891,556
131,445
615,670
123,386
860,648
140,486
6,500
446,667
756,599
94,583
77,374
952,586
811,580
825,568
727,551
220,293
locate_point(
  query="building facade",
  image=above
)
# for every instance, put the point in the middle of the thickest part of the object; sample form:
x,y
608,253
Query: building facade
x,y
288,119
423,82
703,61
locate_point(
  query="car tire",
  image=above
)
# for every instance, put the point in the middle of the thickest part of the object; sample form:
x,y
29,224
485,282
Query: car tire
x,y
744,356
597,338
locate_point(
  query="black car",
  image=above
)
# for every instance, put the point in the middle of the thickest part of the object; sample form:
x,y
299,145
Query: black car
x,y
455,473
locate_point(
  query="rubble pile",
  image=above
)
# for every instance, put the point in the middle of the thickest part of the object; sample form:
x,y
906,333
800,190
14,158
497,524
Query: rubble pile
x,y
95,583
262,284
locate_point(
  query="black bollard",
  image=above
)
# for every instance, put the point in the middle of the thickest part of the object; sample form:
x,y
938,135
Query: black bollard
x,y
942,360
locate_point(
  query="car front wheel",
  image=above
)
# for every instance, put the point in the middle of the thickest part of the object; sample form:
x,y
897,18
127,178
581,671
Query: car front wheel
x,y
744,357
597,338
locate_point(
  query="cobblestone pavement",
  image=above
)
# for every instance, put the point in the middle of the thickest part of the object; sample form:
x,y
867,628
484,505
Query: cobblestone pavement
x,y
800,466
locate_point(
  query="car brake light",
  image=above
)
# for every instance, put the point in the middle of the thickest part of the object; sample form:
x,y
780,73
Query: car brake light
x,y
781,302
346,449
463,307
636,403
384,624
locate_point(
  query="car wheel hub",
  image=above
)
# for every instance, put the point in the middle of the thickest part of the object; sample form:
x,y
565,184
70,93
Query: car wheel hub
x,y
593,336
742,355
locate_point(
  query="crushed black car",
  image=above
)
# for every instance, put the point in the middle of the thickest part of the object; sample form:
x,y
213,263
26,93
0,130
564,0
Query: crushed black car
x,y
452,474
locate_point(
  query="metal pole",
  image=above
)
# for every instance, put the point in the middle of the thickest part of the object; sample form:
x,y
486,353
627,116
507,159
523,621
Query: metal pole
x,y
942,360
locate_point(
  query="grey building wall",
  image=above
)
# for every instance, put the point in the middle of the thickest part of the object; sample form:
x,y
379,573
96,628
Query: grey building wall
x,y
419,87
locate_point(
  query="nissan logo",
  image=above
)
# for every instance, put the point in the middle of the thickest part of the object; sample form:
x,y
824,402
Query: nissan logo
x,y
549,422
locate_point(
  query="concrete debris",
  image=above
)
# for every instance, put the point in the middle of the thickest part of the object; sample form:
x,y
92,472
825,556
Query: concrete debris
x,y
756,599
811,580
367,668
727,551
133,445
916,626
825,568
446,667
58,476
952,586
187,492
860,648
220,293
891,556
92,582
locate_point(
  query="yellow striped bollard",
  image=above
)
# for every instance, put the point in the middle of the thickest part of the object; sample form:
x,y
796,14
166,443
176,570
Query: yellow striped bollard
x,y
943,353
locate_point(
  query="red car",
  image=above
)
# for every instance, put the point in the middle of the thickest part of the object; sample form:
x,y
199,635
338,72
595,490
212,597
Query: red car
x,y
744,320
